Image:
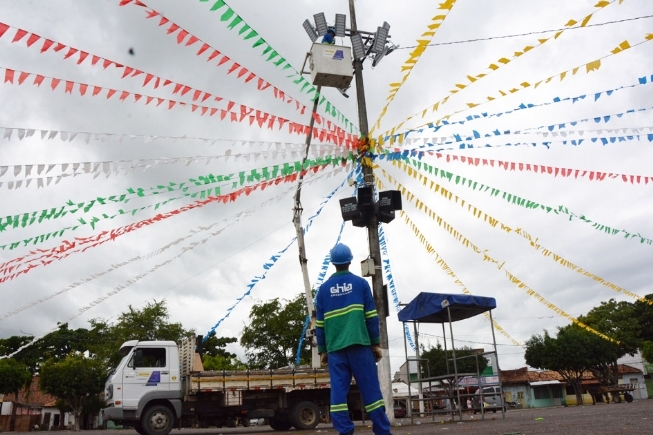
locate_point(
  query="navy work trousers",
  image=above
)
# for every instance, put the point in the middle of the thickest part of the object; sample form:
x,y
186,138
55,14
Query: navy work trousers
x,y
357,361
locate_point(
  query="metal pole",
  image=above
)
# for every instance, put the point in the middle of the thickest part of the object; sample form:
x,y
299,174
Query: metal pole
x,y
297,220
385,378
496,357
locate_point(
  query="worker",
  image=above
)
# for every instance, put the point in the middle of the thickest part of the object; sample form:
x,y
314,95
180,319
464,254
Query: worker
x,y
348,340
329,36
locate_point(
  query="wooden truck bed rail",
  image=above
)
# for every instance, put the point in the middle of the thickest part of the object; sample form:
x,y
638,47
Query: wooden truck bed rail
x,y
229,380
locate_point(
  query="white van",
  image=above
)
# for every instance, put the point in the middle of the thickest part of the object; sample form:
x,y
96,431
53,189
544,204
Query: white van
x,y
491,399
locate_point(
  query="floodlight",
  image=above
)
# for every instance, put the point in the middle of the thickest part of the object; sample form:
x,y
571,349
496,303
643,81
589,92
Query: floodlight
x,y
386,26
341,20
357,46
380,38
310,31
320,23
377,58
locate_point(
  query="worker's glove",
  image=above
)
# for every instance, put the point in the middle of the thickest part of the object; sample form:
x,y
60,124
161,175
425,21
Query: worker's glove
x,y
324,359
376,350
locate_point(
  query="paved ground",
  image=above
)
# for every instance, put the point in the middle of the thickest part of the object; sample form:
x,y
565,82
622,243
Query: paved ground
x,y
599,419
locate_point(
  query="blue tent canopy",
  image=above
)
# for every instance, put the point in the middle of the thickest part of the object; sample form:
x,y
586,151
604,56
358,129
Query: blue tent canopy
x,y
427,307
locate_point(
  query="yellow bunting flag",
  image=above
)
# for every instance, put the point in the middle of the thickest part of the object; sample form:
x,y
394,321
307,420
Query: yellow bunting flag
x,y
443,265
408,65
504,60
533,243
486,257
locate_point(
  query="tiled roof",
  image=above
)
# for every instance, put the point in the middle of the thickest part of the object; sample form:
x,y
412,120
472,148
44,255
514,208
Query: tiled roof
x,y
33,396
523,375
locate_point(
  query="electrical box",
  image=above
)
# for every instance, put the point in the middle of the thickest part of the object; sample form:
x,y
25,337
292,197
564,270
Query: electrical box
x,y
367,267
331,66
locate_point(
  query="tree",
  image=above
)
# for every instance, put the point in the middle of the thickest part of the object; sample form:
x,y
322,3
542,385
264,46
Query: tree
x,y
274,332
573,352
219,362
14,375
149,323
216,346
647,351
75,380
437,360
618,321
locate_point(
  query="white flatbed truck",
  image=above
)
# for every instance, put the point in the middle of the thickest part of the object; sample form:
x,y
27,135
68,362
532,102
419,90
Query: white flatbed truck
x,y
159,385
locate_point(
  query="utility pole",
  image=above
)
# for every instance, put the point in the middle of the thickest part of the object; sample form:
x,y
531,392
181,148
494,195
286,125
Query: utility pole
x,y
385,378
299,229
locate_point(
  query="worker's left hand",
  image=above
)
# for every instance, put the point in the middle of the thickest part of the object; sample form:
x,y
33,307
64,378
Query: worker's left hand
x,y
376,350
324,359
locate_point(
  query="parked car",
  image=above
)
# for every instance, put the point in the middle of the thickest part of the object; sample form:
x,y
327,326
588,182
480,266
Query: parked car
x,y
400,412
491,399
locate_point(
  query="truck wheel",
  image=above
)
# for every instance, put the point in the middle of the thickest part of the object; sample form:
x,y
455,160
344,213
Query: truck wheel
x,y
616,398
279,424
628,397
232,422
157,420
305,415
246,422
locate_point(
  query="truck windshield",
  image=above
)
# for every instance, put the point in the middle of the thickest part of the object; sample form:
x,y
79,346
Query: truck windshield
x,y
124,351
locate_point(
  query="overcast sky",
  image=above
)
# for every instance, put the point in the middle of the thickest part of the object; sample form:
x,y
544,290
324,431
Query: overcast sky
x,y
202,260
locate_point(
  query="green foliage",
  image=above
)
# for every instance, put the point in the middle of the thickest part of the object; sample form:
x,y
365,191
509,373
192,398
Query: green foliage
x,y
273,333
219,362
647,351
215,346
149,323
643,313
75,380
465,362
14,375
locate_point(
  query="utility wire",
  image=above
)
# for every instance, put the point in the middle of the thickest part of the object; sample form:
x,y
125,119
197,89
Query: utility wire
x,y
489,38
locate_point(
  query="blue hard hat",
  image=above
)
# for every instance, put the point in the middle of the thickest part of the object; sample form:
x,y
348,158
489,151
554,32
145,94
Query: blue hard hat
x,y
341,254
332,30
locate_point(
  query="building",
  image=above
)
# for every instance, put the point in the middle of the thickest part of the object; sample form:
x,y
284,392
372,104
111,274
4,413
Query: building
x,y
31,408
539,389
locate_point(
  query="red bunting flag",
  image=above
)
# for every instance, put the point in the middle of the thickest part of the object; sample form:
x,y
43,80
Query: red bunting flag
x,y
9,76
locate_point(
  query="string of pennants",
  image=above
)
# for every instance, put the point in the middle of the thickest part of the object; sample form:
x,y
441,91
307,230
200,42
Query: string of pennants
x,y
486,257
43,257
504,61
108,168
69,136
262,119
629,133
495,223
269,264
198,95
234,179
549,170
403,137
554,171
512,199
249,33
389,276
444,266
414,56
586,67
225,223
13,265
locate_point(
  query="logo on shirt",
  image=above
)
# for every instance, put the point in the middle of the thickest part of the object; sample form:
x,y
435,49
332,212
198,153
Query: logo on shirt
x,y
341,289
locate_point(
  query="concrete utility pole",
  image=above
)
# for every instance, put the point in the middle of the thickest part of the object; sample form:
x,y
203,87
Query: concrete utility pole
x,y
299,229
373,237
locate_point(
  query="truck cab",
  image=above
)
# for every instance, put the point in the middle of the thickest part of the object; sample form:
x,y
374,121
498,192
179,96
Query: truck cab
x,y
144,390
